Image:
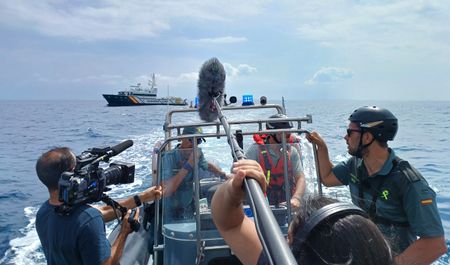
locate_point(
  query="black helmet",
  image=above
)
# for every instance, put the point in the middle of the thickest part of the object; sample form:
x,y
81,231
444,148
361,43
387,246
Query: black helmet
x,y
263,100
380,122
278,124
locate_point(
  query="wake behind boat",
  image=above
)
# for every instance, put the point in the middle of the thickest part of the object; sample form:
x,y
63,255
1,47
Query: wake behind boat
x,y
137,95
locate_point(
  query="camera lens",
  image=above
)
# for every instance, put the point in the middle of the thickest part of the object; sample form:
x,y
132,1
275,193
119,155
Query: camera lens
x,y
122,173
112,175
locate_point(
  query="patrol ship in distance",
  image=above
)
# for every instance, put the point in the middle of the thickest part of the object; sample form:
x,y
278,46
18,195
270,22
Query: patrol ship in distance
x,y
136,96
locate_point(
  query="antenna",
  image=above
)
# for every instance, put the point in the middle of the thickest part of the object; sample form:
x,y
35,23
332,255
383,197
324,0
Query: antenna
x,y
168,98
152,85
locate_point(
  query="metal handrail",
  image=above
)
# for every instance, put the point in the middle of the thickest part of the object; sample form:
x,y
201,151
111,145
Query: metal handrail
x,y
217,134
168,122
267,106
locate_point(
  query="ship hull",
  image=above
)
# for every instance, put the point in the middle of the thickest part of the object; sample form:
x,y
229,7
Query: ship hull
x,y
137,100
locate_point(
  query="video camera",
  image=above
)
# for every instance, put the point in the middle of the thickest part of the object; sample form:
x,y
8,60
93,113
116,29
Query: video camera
x,y
88,182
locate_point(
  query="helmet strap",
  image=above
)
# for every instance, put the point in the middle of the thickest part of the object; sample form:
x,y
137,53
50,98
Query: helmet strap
x,y
361,146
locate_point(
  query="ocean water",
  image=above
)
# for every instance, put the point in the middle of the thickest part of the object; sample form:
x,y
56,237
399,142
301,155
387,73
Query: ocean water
x,y
29,128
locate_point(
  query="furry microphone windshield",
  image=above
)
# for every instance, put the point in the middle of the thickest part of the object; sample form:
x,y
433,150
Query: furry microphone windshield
x,y
211,85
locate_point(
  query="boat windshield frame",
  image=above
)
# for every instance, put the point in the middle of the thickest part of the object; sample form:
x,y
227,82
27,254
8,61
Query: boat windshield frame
x,y
173,134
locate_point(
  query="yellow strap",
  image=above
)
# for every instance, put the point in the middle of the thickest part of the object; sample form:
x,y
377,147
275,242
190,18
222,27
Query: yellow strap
x,y
268,176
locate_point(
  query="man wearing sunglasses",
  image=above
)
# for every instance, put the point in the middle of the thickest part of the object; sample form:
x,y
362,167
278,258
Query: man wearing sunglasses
x,y
178,175
394,194
268,152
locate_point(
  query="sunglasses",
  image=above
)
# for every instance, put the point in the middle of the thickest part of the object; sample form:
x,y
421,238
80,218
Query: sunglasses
x,y
349,131
199,141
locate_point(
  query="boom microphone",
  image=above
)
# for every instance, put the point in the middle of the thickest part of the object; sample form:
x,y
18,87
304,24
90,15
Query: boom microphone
x,y
211,84
119,148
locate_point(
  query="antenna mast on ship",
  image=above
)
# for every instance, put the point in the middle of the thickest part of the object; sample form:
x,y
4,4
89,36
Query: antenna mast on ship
x,y
152,84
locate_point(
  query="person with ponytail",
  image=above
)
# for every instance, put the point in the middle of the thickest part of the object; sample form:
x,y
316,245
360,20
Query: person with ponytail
x,y
323,231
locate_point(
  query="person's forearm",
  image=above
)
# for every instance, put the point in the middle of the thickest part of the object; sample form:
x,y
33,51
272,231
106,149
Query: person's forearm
x,y
108,212
325,165
422,251
226,210
117,247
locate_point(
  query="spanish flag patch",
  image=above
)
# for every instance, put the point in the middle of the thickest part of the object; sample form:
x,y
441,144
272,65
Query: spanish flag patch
x,y
426,201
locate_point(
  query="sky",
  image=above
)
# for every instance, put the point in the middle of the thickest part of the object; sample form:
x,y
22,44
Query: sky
x,y
305,50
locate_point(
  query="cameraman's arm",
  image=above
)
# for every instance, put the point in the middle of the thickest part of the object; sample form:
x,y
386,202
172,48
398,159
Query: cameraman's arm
x,y
119,243
149,194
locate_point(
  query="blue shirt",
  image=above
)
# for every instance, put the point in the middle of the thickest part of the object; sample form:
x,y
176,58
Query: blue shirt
x,y
402,196
180,204
77,238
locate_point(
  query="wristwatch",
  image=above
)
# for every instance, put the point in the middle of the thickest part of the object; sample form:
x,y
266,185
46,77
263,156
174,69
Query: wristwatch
x,y
187,166
137,200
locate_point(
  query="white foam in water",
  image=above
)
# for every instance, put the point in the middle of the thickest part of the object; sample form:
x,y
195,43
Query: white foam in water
x,y
25,250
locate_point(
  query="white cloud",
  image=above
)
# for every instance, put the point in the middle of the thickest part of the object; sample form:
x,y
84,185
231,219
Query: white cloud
x,y
395,26
190,79
164,80
115,80
109,79
240,70
193,76
328,75
105,77
221,40
116,19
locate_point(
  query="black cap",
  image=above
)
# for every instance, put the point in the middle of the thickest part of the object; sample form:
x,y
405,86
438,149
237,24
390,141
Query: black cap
x,y
278,124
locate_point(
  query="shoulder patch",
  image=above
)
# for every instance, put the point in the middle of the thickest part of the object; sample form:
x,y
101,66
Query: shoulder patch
x,y
410,172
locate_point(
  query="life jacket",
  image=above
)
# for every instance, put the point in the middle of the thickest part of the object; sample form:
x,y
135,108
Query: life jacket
x,y
261,138
293,141
274,173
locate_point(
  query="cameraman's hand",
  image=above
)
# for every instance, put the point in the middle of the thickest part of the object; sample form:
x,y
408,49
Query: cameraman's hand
x,y
151,194
119,243
126,228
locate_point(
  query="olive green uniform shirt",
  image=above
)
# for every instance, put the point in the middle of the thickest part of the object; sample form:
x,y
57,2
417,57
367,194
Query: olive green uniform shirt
x,y
404,204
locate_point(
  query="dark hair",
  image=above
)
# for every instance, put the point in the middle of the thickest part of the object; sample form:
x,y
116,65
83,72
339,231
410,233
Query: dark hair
x,y
52,164
349,239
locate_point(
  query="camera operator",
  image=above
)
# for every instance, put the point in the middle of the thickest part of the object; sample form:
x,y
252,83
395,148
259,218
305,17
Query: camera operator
x,y
78,237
